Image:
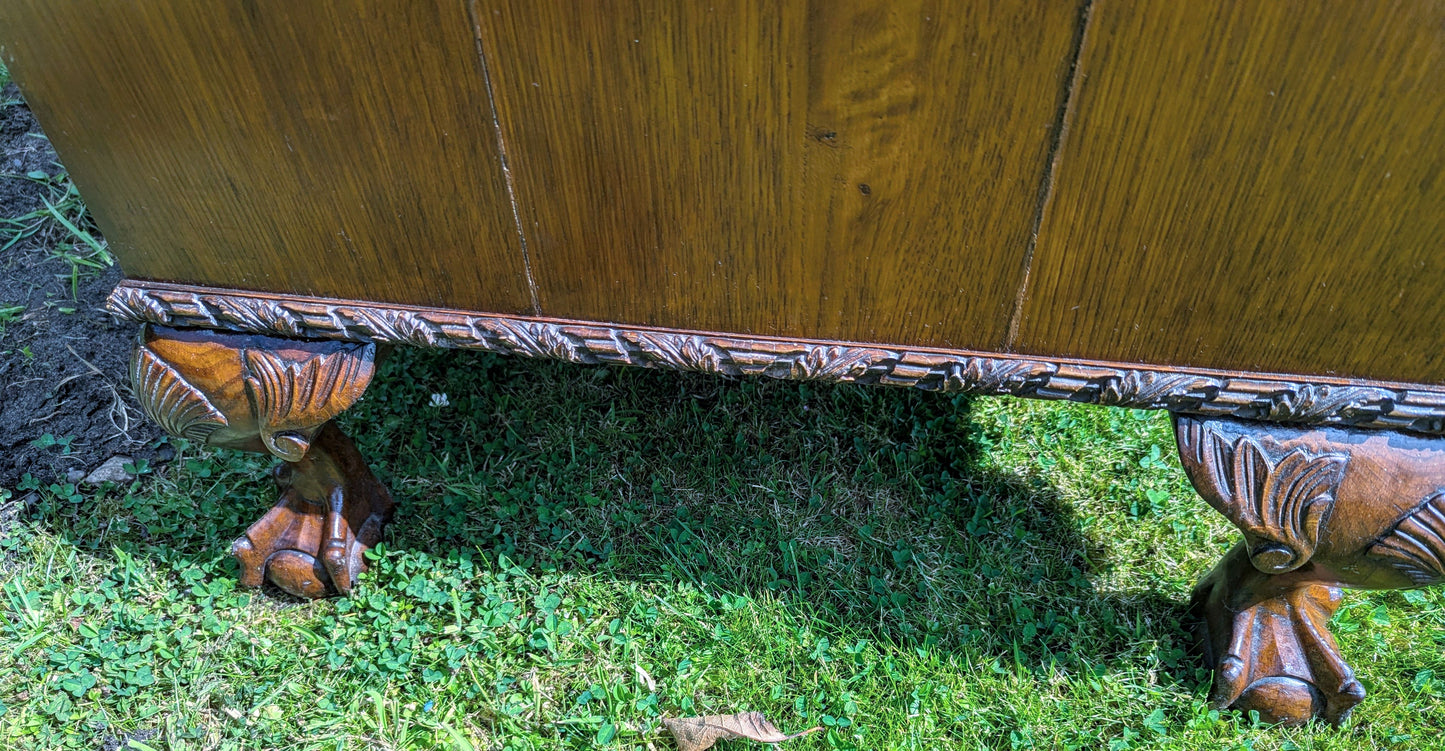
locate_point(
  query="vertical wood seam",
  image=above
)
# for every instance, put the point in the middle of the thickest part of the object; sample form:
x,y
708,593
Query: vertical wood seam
x,y
502,155
1046,184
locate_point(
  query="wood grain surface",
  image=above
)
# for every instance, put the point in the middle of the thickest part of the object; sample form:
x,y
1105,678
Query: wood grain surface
x,y
1251,185
1242,186
343,147
836,169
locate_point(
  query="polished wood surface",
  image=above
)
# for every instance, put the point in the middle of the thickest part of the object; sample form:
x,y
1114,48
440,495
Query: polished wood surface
x,y
1239,186
1320,509
1254,185
277,395
844,169
341,147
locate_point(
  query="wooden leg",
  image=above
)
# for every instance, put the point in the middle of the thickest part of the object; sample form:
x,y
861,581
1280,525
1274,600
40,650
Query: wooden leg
x,y
331,510
259,393
1270,645
1321,509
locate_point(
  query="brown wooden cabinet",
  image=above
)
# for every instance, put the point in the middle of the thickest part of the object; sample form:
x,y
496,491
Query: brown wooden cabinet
x,y
1229,210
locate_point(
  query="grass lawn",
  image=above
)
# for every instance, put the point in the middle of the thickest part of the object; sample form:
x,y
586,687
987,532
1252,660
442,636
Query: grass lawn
x,y
580,551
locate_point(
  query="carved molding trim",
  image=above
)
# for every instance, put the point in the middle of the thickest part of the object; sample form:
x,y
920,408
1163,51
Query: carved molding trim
x,y
1284,400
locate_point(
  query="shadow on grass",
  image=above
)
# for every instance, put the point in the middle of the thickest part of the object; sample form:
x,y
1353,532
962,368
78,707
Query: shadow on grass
x,y
872,511
882,510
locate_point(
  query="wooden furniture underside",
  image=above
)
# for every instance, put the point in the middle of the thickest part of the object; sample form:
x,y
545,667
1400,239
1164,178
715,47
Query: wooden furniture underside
x,y
1334,484
1231,211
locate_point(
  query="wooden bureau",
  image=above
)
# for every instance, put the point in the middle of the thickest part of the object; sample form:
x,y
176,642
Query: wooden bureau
x,y
1229,210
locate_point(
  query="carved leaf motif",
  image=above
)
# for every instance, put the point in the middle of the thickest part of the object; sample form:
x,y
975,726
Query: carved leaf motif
x,y
1278,501
1416,546
1245,487
292,396
1147,389
997,376
539,340
402,327
836,363
1311,402
136,305
1298,494
170,401
551,342
1260,397
681,352
257,315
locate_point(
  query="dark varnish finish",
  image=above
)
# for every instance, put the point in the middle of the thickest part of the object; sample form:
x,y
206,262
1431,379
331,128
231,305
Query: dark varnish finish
x,y
837,169
343,147
1252,185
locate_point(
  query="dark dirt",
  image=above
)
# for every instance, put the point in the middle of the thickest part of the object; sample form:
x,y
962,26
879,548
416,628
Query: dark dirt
x,y
122,742
61,373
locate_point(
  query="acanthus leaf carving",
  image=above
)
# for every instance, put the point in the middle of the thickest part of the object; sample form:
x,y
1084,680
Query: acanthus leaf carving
x,y
170,400
1311,402
293,399
1152,390
134,304
1252,397
536,339
1279,500
264,315
681,352
988,375
1416,544
823,363
404,327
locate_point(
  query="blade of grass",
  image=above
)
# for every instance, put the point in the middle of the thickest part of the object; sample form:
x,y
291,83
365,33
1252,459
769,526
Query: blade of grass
x,y
80,233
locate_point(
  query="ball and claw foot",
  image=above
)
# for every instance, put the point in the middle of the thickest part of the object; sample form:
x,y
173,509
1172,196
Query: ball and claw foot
x,y
1267,639
332,509
279,396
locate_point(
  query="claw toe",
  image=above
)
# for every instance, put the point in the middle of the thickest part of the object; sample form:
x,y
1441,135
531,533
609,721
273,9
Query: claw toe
x,y
297,573
341,565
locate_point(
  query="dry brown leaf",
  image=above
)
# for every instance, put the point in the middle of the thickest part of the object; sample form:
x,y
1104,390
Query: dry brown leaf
x,y
699,733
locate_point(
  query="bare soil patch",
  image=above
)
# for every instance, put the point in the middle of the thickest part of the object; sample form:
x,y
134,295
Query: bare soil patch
x,y
63,359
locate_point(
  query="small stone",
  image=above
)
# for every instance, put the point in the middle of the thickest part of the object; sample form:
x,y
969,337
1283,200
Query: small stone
x,y
30,499
165,453
113,470
74,476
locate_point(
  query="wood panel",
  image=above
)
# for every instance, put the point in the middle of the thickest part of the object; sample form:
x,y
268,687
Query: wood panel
x,y
833,169
1251,186
342,148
